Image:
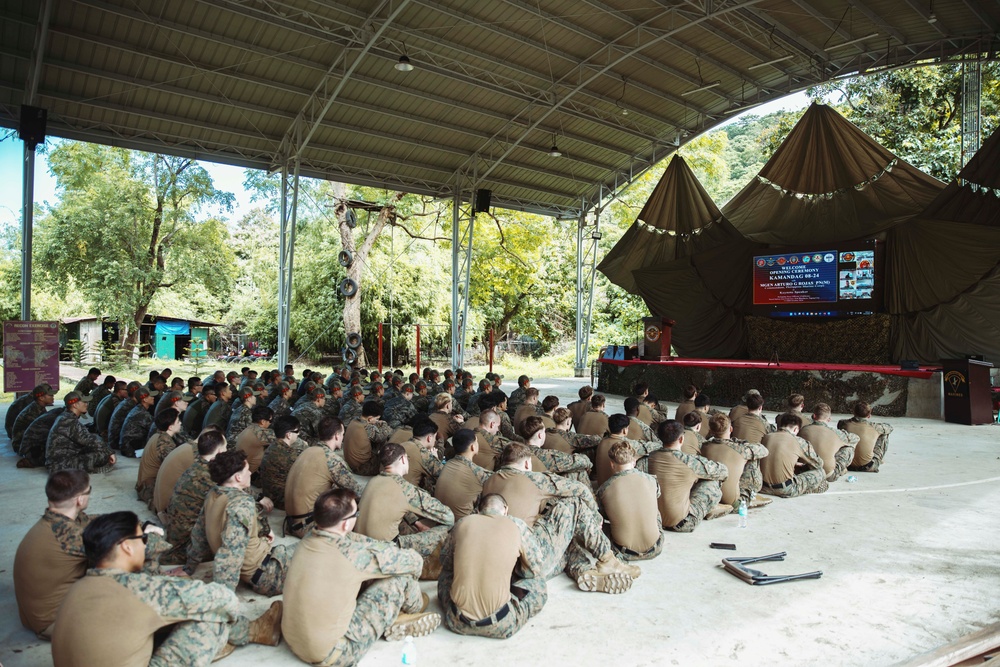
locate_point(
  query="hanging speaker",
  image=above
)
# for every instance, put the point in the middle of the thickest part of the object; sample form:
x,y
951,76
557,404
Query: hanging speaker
x,y
483,198
31,129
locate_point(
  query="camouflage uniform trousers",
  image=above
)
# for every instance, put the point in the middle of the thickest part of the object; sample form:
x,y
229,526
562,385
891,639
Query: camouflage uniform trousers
x,y
803,483
520,609
193,642
377,609
750,481
878,453
705,494
843,458
272,577
628,554
425,543
571,533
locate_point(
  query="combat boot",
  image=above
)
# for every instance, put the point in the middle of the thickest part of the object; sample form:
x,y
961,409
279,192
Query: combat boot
x,y
432,566
223,652
266,628
412,625
822,487
594,581
758,501
718,510
611,564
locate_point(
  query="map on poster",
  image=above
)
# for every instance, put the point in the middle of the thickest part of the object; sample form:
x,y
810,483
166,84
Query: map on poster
x,y
30,355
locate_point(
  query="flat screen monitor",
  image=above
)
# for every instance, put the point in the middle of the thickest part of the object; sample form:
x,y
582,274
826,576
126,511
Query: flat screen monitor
x,y
832,280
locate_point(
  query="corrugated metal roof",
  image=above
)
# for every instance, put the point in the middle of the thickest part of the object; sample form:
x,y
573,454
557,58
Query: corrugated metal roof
x,y
495,83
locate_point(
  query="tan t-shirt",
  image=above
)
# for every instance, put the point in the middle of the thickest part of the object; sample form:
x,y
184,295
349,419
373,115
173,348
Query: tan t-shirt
x,y
749,427
593,423
691,444
737,412
577,409
446,427
682,409
308,477
602,462
557,442
102,623
150,462
783,452
675,479
170,471
382,507
524,498
734,462
825,441
458,487
628,499
523,412
487,547
250,443
215,525
864,451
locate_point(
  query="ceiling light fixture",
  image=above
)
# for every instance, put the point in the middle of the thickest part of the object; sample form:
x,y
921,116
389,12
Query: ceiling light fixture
x,y
404,64
554,151
771,62
852,41
698,90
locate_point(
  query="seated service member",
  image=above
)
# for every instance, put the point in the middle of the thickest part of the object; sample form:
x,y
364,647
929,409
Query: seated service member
x,y
595,420
617,428
157,448
687,405
637,429
70,445
421,451
571,466
185,503
257,437
482,588
388,504
344,590
279,457
229,529
834,446
873,438
690,484
110,616
628,499
578,408
364,439
741,458
786,450
751,426
461,481
317,470
693,423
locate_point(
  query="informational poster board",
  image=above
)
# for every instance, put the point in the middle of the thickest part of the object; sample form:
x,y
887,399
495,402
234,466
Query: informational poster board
x,y
30,355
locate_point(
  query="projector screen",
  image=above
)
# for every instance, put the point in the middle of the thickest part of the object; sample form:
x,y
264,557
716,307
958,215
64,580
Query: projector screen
x,y
835,280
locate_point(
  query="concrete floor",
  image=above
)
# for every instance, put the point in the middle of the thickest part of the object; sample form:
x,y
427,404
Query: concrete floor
x,y
909,561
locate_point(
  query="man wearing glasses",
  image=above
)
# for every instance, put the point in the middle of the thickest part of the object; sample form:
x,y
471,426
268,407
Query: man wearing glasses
x,y
116,600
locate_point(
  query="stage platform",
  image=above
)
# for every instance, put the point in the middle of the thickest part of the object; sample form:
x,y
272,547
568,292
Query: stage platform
x,y
891,391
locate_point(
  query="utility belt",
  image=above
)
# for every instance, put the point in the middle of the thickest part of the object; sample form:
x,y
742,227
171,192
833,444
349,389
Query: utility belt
x,y
630,552
492,619
787,482
292,523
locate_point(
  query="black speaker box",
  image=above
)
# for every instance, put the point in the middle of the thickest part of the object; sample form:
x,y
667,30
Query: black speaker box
x,y
909,365
483,198
31,129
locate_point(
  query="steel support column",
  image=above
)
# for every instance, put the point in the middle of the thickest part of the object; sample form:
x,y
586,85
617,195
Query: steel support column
x,y
286,253
971,107
587,236
461,268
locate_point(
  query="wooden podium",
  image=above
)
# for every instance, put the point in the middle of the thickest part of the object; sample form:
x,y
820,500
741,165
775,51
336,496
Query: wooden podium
x,y
656,335
967,398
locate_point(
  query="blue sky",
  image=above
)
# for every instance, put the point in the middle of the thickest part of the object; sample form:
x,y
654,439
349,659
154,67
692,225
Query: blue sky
x,y
229,179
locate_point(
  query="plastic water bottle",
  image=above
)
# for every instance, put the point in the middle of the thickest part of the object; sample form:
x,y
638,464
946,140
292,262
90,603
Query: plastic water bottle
x,y
851,479
409,651
743,515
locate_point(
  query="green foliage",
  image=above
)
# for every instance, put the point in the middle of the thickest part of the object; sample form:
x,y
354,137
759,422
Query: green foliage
x,y
77,352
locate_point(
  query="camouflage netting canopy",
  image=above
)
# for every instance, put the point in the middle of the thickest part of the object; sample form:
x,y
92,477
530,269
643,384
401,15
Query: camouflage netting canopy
x,y
828,182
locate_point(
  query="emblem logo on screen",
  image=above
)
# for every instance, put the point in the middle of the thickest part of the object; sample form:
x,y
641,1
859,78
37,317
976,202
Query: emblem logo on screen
x,y
761,263
652,333
829,257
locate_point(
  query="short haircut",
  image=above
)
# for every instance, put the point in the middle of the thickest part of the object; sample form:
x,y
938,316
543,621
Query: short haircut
x,y
423,428
531,392
618,423
153,375
285,425
513,453
670,431
493,502
689,391
621,453
329,427
391,452
166,418
333,506
209,391
702,401
550,403
640,388
225,465
119,385
209,441
462,440
442,401
177,382
719,425
487,416
109,380
531,426
103,534
260,413
585,392
597,400
796,401
821,411
65,485
132,386
788,419
371,409
862,410
561,415
631,405
94,371
755,402
651,398
692,419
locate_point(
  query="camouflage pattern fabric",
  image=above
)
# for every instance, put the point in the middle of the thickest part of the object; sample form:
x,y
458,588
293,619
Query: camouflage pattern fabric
x,y
14,410
280,407
102,415
30,413
309,415
218,414
239,420
194,417
399,411
157,447
571,466
71,446
36,438
570,534
350,410
515,400
705,494
809,481
184,507
122,411
85,385
274,467
99,395
135,430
